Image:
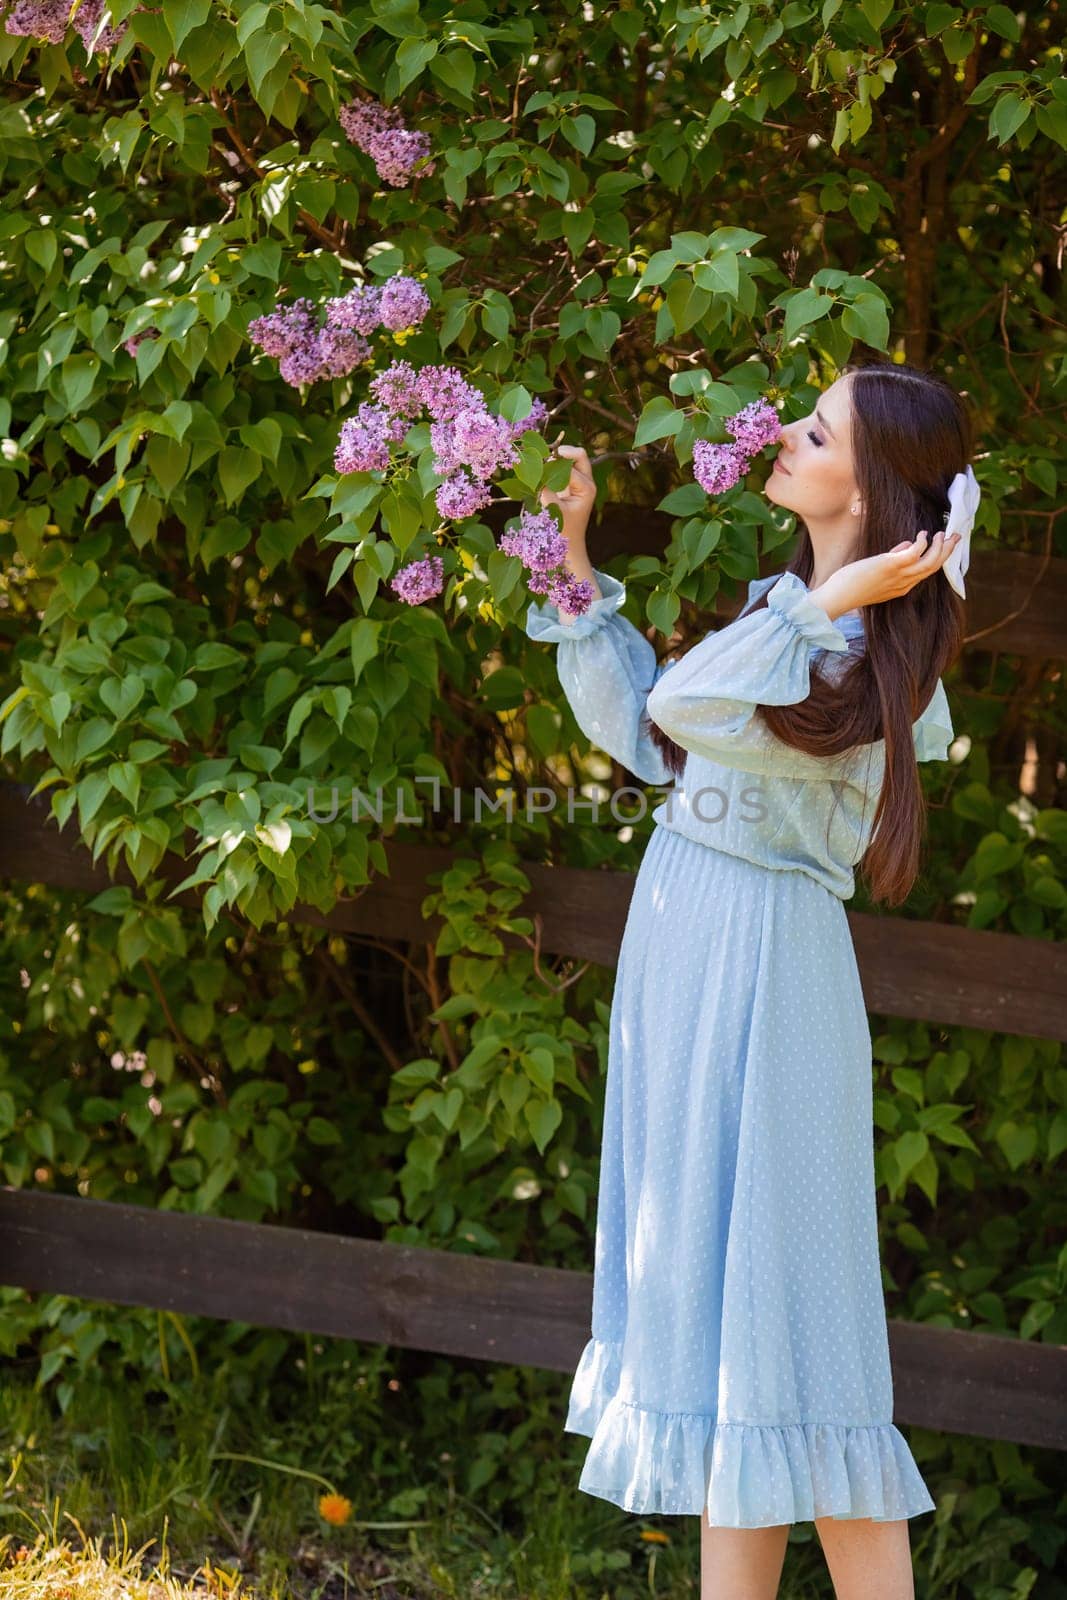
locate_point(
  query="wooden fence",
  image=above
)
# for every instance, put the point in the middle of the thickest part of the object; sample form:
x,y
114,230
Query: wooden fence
x,y
272,1275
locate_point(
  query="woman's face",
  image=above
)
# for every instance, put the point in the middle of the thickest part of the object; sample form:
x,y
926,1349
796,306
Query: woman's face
x,y
818,482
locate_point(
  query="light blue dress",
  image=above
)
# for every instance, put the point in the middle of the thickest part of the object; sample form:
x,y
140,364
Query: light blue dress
x,y
738,1362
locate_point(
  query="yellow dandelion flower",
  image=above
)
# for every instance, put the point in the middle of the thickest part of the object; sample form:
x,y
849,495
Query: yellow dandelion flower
x,y
654,1536
335,1508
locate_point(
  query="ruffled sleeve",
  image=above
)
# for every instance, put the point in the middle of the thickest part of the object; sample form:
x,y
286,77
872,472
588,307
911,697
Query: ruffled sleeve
x,y
933,732
606,668
707,703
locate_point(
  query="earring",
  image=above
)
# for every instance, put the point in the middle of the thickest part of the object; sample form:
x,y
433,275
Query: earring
x,y
855,511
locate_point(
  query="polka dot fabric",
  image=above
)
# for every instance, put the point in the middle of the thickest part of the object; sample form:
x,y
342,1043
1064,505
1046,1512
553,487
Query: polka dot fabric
x,y
738,1362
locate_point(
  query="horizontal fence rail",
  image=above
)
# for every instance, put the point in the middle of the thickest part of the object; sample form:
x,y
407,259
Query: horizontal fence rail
x,y
927,971
273,1276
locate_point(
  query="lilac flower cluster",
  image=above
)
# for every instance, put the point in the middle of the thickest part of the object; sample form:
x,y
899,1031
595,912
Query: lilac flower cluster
x,y
470,443
419,580
365,439
307,352
539,545
717,467
136,339
48,20
380,133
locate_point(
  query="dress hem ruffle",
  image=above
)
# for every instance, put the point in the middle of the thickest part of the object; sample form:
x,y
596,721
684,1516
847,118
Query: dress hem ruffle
x,y
743,1474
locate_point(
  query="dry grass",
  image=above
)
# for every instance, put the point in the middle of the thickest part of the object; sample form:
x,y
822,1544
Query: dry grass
x,y
58,1571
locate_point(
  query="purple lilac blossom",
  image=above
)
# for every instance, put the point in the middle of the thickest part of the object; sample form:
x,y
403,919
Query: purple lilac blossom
x,y
404,303
419,580
285,329
359,309
564,591
444,391
39,19
138,338
755,426
85,21
380,133
396,388
301,365
363,445
362,119
396,152
476,439
537,541
461,495
717,467
341,349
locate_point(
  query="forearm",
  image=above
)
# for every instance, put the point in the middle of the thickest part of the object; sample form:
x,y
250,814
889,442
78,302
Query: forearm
x,y
842,591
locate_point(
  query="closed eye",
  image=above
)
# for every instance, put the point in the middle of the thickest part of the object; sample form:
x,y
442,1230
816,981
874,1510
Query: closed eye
x,y
813,436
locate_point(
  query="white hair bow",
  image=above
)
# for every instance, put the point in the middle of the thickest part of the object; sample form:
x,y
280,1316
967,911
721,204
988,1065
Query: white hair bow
x,y
963,497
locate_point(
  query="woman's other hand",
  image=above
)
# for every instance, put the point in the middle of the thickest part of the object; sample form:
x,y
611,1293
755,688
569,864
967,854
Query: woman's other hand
x,y
577,500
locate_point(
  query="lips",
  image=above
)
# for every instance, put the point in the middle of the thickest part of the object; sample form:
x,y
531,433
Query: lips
x,y
779,468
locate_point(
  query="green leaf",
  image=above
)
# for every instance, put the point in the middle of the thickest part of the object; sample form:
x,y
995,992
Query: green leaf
x,y
182,16
262,52
867,319
77,376
579,131
412,57
1018,1142
658,420
876,12
957,43
455,69
663,608
685,501
1004,22
938,17
264,437
720,275
264,259
237,470
687,303
803,308
543,1118
1008,116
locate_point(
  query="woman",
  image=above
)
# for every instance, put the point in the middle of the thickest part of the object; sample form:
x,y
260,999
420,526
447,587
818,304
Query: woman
x,y
738,1366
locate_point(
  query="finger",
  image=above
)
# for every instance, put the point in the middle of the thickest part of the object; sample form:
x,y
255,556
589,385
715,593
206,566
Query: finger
x,y
577,454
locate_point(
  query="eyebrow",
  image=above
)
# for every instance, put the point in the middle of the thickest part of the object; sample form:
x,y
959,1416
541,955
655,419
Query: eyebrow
x,y
825,424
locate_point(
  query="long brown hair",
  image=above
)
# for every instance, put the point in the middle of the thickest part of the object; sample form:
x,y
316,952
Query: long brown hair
x,y
911,434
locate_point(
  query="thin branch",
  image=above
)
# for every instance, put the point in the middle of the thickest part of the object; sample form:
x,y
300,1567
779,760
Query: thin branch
x,y
332,241
366,1020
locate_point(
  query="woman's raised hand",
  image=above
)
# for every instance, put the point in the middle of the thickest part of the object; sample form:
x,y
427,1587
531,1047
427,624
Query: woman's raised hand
x,y
896,571
887,576
577,500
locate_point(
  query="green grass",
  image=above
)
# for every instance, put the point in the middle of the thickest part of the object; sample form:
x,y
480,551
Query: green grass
x,y
457,1481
